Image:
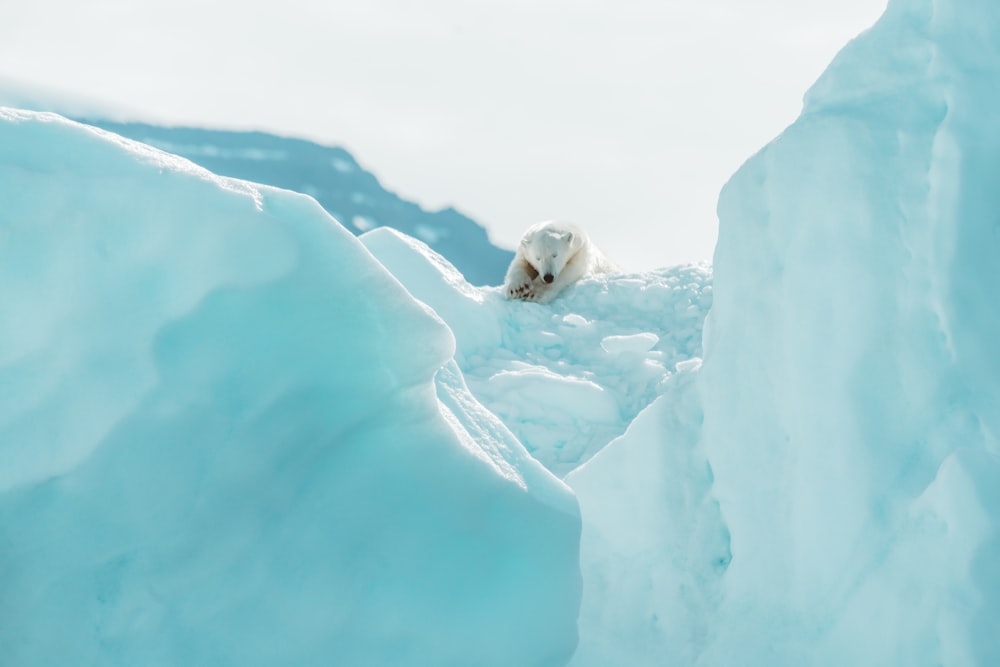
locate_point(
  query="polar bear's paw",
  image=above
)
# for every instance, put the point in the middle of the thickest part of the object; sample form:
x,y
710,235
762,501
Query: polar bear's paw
x,y
527,292
522,291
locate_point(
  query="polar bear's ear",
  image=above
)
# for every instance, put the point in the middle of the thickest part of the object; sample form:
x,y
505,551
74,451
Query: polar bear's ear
x,y
569,237
526,239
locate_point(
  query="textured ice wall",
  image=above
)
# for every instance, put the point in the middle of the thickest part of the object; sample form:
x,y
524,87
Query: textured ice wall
x,y
654,548
851,359
221,442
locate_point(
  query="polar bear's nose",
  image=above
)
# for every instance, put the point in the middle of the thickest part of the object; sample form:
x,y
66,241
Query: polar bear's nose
x,y
547,277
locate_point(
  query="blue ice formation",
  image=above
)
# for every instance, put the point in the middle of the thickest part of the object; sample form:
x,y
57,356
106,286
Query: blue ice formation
x,y
222,441
851,373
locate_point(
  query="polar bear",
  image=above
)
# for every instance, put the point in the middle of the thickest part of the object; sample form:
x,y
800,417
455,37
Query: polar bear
x,y
551,256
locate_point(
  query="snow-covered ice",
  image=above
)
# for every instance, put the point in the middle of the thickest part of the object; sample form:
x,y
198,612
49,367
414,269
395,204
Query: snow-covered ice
x,y
569,376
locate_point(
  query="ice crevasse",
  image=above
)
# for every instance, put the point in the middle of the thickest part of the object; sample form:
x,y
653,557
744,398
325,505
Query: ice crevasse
x,y
222,440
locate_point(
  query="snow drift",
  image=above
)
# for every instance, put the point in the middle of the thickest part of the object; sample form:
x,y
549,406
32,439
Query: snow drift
x,y
222,441
569,376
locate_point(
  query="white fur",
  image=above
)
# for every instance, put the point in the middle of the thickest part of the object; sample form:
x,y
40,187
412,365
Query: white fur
x,y
559,249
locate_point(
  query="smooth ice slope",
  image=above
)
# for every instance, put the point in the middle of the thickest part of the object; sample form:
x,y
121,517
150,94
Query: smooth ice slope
x,y
852,374
654,548
221,441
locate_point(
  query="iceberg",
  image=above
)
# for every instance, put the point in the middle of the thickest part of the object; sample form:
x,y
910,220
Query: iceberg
x,y
851,376
228,436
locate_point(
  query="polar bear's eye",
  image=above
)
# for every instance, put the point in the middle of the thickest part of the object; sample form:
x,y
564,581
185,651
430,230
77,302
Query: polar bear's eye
x,y
553,255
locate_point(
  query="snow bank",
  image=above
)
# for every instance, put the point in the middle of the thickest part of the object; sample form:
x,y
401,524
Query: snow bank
x,y
569,376
851,373
222,442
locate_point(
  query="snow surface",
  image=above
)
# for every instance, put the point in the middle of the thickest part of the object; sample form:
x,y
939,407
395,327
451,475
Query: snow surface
x,y
229,437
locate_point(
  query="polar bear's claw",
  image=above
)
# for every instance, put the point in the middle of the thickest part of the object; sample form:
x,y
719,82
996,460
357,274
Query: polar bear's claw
x,y
522,291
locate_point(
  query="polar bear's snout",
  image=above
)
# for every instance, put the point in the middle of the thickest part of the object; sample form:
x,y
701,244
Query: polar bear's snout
x,y
548,277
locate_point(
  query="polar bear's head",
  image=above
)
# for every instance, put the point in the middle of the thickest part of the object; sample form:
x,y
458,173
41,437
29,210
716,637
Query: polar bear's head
x,y
548,247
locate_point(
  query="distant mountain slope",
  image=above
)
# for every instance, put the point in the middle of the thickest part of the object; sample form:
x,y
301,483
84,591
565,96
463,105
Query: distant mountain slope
x,y
333,177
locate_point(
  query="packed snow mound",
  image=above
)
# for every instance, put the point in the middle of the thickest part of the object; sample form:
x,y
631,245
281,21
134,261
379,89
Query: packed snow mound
x,y
569,376
223,441
851,374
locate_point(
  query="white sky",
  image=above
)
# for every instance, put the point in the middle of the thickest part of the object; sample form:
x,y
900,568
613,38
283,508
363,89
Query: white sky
x,y
625,116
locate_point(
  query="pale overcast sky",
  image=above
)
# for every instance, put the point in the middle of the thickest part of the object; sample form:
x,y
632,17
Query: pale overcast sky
x,y
625,116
